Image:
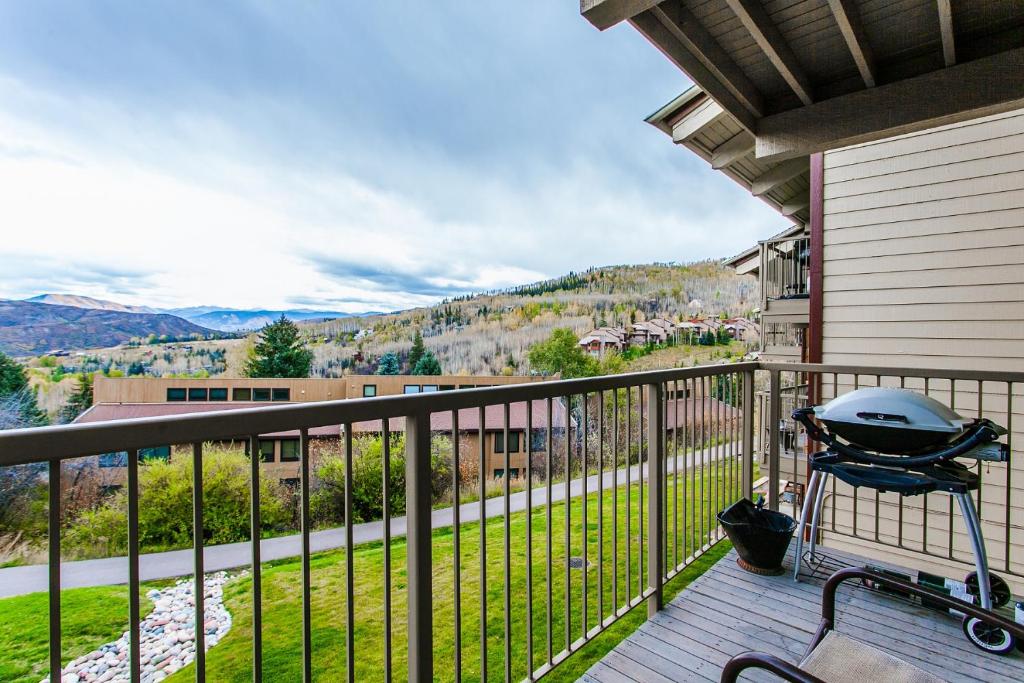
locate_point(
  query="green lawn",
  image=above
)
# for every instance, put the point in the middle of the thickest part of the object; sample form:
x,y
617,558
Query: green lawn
x,y
97,615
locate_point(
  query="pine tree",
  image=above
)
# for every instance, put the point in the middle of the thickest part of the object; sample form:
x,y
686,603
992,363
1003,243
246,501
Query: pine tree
x,y
416,352
279,352
17,397
80,401
427,365
388,365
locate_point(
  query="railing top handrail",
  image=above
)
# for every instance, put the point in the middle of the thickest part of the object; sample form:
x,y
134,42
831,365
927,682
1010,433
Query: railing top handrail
x,y
886,371
792,238
41,444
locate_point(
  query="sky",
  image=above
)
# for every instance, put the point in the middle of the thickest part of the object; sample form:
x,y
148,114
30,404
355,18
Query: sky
x,y
348,156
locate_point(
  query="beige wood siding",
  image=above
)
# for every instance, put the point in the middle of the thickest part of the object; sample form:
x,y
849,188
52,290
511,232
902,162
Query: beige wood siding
x,y
924,267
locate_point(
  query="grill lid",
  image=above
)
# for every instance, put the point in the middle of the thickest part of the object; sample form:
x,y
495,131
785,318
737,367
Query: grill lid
x,y
892,409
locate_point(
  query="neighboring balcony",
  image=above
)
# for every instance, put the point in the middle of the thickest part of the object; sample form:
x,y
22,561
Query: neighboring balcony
x,y
784,273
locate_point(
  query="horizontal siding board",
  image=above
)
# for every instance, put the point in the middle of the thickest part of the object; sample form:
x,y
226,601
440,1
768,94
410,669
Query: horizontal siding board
x,y
1006,350
940,277
923,194
964,207
987,128
976,238
976,329
957,313
1000,162
976,294
952,258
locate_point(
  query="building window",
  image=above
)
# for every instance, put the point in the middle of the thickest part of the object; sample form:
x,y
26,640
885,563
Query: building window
x,y
176,394
513,442
120,459
411,389
261,394
369,390
218,394
289,450
266,451
282,394
539,440
198,394
499,473
241,394
429,388
447,387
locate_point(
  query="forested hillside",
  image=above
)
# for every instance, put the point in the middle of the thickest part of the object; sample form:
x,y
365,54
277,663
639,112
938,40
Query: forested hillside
x,y
490,333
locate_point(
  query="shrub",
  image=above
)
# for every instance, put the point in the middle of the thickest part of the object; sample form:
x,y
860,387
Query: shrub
x,y
165,507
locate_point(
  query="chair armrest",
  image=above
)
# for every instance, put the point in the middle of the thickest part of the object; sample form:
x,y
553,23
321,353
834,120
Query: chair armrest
x,y
828,599
759,660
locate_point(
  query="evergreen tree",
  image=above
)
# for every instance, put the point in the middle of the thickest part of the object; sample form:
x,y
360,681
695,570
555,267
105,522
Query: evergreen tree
x,y
80,401
17,398
388,365
427,365
279,352
416,352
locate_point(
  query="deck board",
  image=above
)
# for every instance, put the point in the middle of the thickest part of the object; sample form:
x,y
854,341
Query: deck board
x,y
727,611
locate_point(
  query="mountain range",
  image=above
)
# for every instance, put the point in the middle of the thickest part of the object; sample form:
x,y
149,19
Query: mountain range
x,y
219,318
31,328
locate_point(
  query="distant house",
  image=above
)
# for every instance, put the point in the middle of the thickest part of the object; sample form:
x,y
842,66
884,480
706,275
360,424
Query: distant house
x,y
647,333
599,340
741,329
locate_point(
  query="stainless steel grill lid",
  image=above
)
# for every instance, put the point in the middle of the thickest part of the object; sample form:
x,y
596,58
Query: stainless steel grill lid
x,y
890,420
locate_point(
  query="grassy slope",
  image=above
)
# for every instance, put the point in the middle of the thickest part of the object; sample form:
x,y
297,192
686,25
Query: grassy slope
x,y
282,636
93,616
89,616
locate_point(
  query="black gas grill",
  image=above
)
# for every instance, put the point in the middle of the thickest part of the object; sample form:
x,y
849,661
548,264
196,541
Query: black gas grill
x,y
897,440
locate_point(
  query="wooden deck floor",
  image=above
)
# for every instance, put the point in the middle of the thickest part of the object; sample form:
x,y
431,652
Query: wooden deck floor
x,y
727,611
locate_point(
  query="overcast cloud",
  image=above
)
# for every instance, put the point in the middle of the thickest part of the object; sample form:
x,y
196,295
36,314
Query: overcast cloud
x,y
346,155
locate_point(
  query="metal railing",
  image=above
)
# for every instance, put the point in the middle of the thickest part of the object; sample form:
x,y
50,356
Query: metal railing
x,y
927,524
785,268
627,490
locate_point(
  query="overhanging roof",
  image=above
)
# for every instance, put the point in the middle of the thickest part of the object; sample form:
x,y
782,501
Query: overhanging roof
x,y
697,122
804,76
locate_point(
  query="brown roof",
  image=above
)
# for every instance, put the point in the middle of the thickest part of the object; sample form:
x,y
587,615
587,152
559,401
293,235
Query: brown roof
x,y
469,419
104,412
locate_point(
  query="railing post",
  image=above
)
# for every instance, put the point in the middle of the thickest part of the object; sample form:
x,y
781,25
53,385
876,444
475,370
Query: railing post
x,y
655,496
418,561
774,417
747,474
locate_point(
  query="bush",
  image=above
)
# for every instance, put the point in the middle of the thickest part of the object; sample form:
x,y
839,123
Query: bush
x,y
327,497
165,507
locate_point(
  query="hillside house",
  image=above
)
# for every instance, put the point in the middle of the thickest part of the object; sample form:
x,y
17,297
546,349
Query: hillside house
x,y
599,340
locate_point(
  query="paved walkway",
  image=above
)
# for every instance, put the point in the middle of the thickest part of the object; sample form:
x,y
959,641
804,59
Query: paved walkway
x,y
165,565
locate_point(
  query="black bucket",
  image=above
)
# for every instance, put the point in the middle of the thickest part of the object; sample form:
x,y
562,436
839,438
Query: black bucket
x,y
761,537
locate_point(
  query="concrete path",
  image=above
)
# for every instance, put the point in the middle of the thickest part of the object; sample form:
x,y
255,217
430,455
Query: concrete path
x,y
165,565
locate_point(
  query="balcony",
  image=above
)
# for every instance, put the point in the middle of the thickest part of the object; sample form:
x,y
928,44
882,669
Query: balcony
x,y
565,561
784,272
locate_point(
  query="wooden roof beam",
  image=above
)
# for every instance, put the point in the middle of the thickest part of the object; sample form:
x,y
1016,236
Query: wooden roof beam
x,y
795,205
652,28
981,87
776,176
771,41
946,29
688,31
733,149
848,18
691,124
606,13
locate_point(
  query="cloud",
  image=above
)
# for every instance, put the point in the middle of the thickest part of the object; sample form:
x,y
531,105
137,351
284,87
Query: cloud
x,y
339,155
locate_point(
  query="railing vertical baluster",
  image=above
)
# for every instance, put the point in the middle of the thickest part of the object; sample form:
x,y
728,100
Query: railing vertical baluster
x,y
418,560
255,534
508,548
600,508
1009,471
675,474
640,529
655,500
703,459
134,613
53,535
529,539
568,518
774,415
386,513
615,500
584,535
629,487
481,439
350,610
547,524
304,527
687,454
197,548
456,551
